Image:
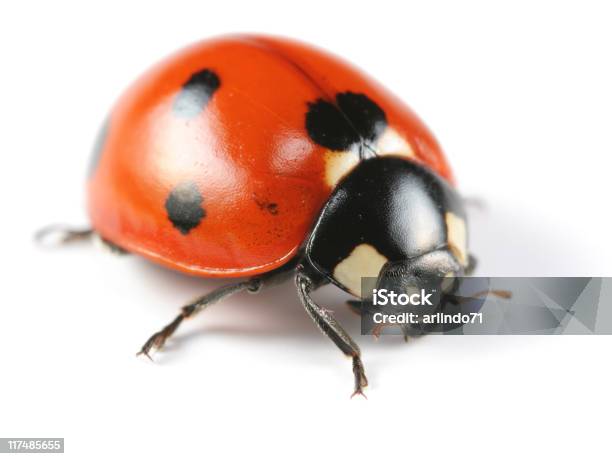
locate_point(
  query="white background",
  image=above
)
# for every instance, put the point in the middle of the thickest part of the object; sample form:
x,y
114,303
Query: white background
x,y
520,96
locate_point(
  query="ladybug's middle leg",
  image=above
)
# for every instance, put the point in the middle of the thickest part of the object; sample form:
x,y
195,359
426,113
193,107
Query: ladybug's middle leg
x,y
252,285
158,339
332,329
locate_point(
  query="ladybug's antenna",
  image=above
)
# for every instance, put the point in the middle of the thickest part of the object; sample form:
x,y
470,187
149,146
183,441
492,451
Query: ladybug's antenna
x,y
55,235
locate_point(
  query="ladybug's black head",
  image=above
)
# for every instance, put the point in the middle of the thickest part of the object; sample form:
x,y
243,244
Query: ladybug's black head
x,y
392,219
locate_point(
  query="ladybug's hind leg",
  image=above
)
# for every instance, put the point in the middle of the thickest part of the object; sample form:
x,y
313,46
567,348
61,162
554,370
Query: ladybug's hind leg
x,y
331,328
55,235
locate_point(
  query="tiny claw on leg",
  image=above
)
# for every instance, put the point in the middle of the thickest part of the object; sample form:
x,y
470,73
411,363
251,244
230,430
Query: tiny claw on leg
x,y
157,340
145,351
360,378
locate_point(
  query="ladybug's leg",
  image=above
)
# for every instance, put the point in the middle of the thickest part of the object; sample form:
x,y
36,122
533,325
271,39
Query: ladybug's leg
x,y
252,285
60,234
332,329
110,246
158,339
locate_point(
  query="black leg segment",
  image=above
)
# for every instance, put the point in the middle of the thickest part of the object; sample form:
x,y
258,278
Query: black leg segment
x,y
53,235
157,340
331,328
56,235
253,285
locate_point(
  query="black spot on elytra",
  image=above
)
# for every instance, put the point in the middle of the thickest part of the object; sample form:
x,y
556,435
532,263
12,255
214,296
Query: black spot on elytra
x,y
354,118
98,147
365,115
327,126
184,207
196,93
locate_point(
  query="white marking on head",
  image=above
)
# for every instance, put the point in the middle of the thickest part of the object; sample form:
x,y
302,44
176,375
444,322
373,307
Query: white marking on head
x,y
457,237
363,261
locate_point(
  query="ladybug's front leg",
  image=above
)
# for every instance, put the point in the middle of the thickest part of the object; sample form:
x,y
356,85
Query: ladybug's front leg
x,y
332,329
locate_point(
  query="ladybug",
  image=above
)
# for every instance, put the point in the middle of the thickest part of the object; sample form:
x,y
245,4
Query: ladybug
x,y
267,159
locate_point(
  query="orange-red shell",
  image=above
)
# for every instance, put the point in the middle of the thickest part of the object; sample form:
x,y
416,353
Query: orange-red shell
x,y
261,178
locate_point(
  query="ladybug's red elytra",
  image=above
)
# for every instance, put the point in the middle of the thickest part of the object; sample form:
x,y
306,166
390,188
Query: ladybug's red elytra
x,y
261,157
